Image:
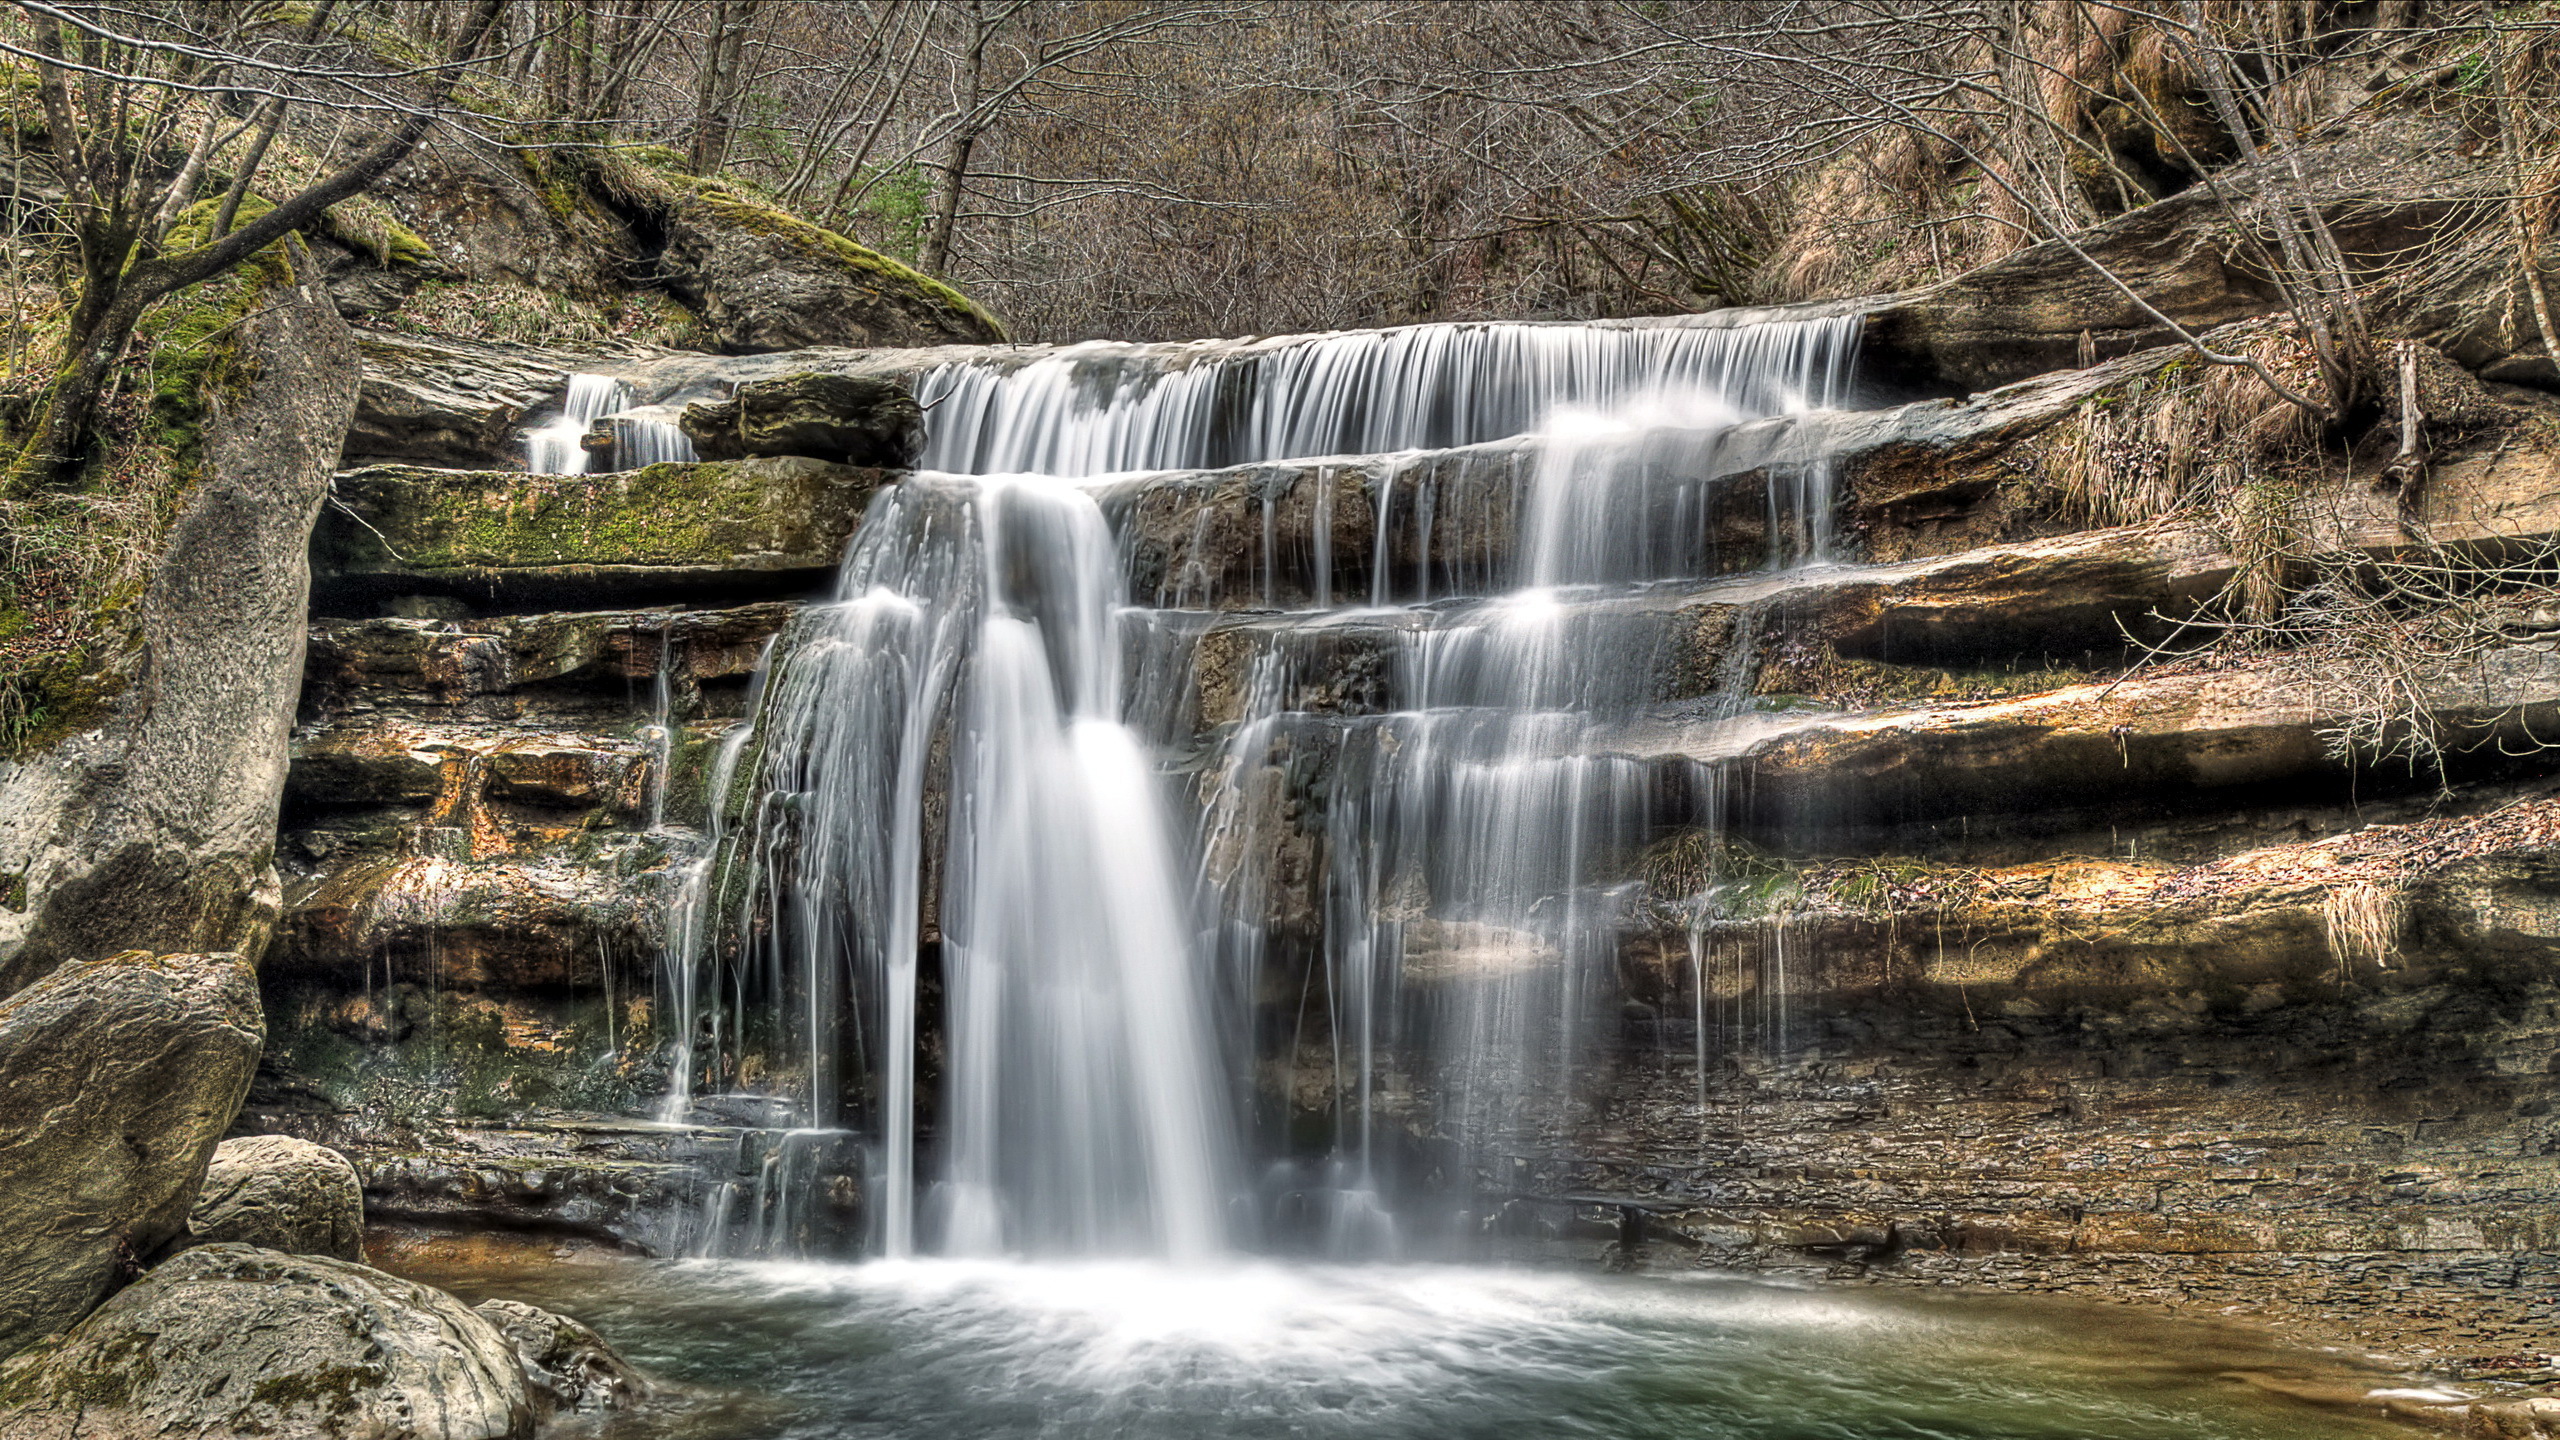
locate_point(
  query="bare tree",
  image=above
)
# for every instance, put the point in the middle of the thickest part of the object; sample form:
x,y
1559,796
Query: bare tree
x,y
114,94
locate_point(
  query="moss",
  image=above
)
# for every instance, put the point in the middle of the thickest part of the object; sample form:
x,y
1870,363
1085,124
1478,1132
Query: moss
x,y
701,513
1806,670
331,1390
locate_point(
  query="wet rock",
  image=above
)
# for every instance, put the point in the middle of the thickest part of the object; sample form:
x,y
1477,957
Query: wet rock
x,y
570,1367
2161,736
512,540
436,664
851,420
634,1185
279,1193
500,925
117,1079
156,828
434,401
230,1340
762,279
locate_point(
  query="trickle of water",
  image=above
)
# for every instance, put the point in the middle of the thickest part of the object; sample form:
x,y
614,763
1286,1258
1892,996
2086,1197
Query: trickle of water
x,y
554,447
1100,408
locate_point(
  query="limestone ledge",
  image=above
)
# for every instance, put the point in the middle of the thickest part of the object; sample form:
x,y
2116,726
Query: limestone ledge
x,y
499,539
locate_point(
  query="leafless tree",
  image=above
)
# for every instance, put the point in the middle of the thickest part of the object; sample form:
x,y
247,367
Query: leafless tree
x,y
117,94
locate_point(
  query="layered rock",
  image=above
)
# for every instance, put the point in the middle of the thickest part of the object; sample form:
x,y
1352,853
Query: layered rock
x,y
117,1080
848,419
512,541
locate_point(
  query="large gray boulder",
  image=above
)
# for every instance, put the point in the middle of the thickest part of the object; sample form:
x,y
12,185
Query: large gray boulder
x,y
571,1369
155,828
231,1341
761,278
280,1193
849,419
117,1079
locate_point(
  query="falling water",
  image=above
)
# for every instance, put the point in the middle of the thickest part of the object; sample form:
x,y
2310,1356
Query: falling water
x,y
956,916
943,767
558,446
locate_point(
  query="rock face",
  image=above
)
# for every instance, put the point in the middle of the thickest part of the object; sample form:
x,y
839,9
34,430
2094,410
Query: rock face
x,y
852,420
762,279
571,1369
232,1341
449,402
279,1193
157,829
116,1081
2384,187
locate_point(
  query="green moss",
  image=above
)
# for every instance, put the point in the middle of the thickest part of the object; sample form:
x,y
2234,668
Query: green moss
x,y
703,513
330,1391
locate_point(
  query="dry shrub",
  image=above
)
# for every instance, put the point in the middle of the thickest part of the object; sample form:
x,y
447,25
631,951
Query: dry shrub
x,y
2192,436
2362,920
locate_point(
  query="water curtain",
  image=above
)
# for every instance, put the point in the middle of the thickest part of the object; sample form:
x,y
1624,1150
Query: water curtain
x,y
954,905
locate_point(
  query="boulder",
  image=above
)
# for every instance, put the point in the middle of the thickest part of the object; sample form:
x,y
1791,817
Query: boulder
x,y
761,278
279,1193
156,827
853,420
571,1369
232,1341
117,1079
775,524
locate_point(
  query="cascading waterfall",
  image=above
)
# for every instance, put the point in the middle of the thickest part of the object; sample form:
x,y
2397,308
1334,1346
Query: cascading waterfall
x,y
943,763
558,445
953,916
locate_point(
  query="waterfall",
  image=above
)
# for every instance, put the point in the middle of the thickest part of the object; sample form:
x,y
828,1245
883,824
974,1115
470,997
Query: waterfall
x,y
1097,409
558,446
944,764
958,913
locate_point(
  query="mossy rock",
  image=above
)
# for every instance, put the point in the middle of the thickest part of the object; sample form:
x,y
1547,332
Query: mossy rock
x,y
709,527
764,279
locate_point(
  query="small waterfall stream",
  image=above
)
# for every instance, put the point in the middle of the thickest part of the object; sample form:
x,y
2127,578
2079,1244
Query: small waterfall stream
x,y
957,901
558,446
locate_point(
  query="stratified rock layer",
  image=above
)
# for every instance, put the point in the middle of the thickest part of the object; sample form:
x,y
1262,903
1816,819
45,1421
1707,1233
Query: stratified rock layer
x,y
518,541
117,1079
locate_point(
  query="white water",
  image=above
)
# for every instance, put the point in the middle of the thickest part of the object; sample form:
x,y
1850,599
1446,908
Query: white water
x,y
949,810
556,446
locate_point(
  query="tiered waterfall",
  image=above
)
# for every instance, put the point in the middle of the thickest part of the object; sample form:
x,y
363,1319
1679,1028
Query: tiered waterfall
x,y
1129,889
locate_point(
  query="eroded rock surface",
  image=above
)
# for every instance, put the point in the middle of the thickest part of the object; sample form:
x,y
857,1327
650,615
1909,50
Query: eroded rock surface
x,y
572,1370
231,1341
117,1079
849,419
279,1193
157,828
